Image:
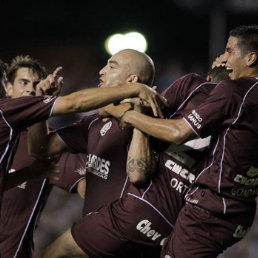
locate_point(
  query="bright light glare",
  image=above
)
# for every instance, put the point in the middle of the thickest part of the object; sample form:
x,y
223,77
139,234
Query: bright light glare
x,y
133,40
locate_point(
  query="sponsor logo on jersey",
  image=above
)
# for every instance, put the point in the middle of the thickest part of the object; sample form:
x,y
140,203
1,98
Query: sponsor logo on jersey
x,y
190,200
195,119
178,169
105,128
240,179
176,183
244,192
240,232
48,99
97,166
144,226
81,171
253,171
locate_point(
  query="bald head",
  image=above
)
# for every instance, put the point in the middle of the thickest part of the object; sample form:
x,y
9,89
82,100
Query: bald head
x,y
127,66
139,64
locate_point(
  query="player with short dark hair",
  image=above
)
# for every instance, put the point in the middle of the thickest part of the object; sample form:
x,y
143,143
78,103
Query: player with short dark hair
x,y
22,205
221,204
20,113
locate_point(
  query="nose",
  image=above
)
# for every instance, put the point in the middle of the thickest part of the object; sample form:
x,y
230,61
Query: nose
x,y
31,89
224,57
102,71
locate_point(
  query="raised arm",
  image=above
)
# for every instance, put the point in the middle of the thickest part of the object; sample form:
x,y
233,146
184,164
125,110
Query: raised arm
x,y
140,161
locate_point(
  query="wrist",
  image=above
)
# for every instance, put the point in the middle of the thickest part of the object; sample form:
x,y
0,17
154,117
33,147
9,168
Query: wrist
x,y
121,115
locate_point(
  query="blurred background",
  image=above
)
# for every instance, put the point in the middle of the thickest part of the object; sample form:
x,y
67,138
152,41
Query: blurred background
x,y
182,36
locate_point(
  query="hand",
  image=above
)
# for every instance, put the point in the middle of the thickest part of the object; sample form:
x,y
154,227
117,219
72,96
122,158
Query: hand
x,y
219,61
151,97
104,111
52,85
138,104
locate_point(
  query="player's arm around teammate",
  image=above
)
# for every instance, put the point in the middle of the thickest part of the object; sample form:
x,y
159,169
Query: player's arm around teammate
x,y
42,144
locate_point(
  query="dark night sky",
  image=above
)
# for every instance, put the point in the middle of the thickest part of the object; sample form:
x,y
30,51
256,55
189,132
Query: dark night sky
x,y
38,28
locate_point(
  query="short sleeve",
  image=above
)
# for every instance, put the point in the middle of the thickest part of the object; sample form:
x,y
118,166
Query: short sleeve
x,y
207,118
22,112
177,92
76,135
72,170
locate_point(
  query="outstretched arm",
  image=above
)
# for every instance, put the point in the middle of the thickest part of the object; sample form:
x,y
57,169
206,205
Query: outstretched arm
x,y
85,100
171,130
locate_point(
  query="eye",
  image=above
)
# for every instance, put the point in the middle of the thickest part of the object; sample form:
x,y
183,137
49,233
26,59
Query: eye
x,y
23,82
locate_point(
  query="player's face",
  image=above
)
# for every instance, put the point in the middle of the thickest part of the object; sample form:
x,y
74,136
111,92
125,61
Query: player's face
x,y
24,83
234,58
116,72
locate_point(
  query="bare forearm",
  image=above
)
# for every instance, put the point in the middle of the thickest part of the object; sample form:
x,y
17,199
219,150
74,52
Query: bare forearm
x,y
85,100
139,160
176,131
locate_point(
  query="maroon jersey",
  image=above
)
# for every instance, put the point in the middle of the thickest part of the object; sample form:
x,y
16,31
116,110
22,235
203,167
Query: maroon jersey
x,y
146,214
106,147
21,205
228,182
178,165
16,115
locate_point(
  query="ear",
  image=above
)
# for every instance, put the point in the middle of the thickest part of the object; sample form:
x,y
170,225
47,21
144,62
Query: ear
x,y
251,59
9,89
133,78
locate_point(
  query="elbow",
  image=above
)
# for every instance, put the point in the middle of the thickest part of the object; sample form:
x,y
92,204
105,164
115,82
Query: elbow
x,y
180,132
176,137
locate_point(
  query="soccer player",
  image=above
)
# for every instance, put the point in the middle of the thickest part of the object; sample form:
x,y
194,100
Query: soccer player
x,y
20,113
221,205
133,221
103,142
21,205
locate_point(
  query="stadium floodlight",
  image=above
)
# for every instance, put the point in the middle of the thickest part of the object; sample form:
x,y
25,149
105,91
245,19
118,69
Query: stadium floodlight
x,y
133,40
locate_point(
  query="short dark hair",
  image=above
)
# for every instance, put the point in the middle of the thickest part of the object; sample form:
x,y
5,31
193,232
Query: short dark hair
x,y
3,68
248,36
28,62
219,73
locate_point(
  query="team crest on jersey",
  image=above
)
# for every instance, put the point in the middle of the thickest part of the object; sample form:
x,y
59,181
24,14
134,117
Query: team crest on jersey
x,y
105,128
48,99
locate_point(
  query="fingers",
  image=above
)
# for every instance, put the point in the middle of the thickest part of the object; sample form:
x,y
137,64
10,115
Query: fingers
x,y
157,103
57,70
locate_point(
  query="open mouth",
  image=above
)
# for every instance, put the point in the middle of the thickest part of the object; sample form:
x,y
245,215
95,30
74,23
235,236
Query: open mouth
x,y
229,70
100,83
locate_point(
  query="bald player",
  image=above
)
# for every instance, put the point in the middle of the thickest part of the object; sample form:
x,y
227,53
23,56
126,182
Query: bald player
x,y
136,221
20,113
104,144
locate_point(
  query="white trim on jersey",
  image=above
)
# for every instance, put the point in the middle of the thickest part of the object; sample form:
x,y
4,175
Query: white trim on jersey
x,y
30,218
10,137
153,207
190,94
